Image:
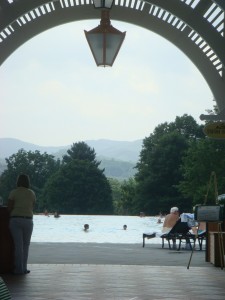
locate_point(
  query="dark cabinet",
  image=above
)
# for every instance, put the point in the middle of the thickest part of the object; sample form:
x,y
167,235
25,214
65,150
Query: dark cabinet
x,y
6,243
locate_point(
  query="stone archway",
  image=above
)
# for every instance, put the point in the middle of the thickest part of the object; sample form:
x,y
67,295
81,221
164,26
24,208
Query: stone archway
x,y
196,27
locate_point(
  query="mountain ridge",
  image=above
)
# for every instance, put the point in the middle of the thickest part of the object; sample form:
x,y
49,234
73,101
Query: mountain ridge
x,y
118,158
121,150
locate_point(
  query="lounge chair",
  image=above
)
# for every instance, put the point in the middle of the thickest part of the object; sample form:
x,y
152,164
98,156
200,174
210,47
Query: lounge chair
x,y
191,238
201,237
179,231
148,236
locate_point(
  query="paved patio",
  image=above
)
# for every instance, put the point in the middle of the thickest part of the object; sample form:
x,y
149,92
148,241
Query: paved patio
x,y
118,273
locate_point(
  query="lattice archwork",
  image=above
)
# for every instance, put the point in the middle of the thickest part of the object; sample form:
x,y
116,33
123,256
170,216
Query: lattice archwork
x,y
196,27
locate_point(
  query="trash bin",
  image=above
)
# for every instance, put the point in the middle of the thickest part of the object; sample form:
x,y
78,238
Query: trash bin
x,y
6,242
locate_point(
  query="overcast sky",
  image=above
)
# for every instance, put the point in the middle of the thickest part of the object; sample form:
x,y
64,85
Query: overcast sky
x,y
53,94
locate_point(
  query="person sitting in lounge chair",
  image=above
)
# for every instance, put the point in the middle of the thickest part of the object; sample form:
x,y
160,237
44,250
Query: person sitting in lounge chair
x,y
201,228
170,219
168,224
196,227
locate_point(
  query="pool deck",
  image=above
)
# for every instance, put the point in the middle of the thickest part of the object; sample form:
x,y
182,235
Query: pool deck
x,y
115,271
112,254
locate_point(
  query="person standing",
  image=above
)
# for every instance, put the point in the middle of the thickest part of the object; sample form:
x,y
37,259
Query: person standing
x,y
21,202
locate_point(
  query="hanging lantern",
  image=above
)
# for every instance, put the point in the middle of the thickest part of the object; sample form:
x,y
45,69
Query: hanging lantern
x,y
105,41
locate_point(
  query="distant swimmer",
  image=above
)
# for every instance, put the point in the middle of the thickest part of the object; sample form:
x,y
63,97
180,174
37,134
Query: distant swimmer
x,y
46,213
56,215
125,227
86,227
159,221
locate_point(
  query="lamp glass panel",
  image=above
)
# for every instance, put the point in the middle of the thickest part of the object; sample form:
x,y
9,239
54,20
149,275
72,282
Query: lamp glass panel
x,y
96,44
108,3
97,3
103,3
113,43
105,46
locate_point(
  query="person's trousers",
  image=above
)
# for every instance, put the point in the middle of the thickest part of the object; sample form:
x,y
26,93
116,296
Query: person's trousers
x,y
21,231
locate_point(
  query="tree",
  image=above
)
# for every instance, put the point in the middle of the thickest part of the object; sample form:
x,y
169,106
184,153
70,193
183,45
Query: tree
x,y
38,166
81,151
157,185
79,187
159,167
187,127
204,156
115,185
127,204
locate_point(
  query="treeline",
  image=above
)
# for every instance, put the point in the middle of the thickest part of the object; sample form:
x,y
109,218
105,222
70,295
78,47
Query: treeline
x,y
74,185
174,167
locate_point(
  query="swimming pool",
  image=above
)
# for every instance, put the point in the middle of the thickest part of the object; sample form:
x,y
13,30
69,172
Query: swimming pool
x,y
102,229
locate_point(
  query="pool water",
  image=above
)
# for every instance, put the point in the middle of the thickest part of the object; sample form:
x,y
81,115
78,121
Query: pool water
x,y
102,229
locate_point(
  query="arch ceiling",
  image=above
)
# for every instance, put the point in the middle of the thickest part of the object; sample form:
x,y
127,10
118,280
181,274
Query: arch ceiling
x,y
196,27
